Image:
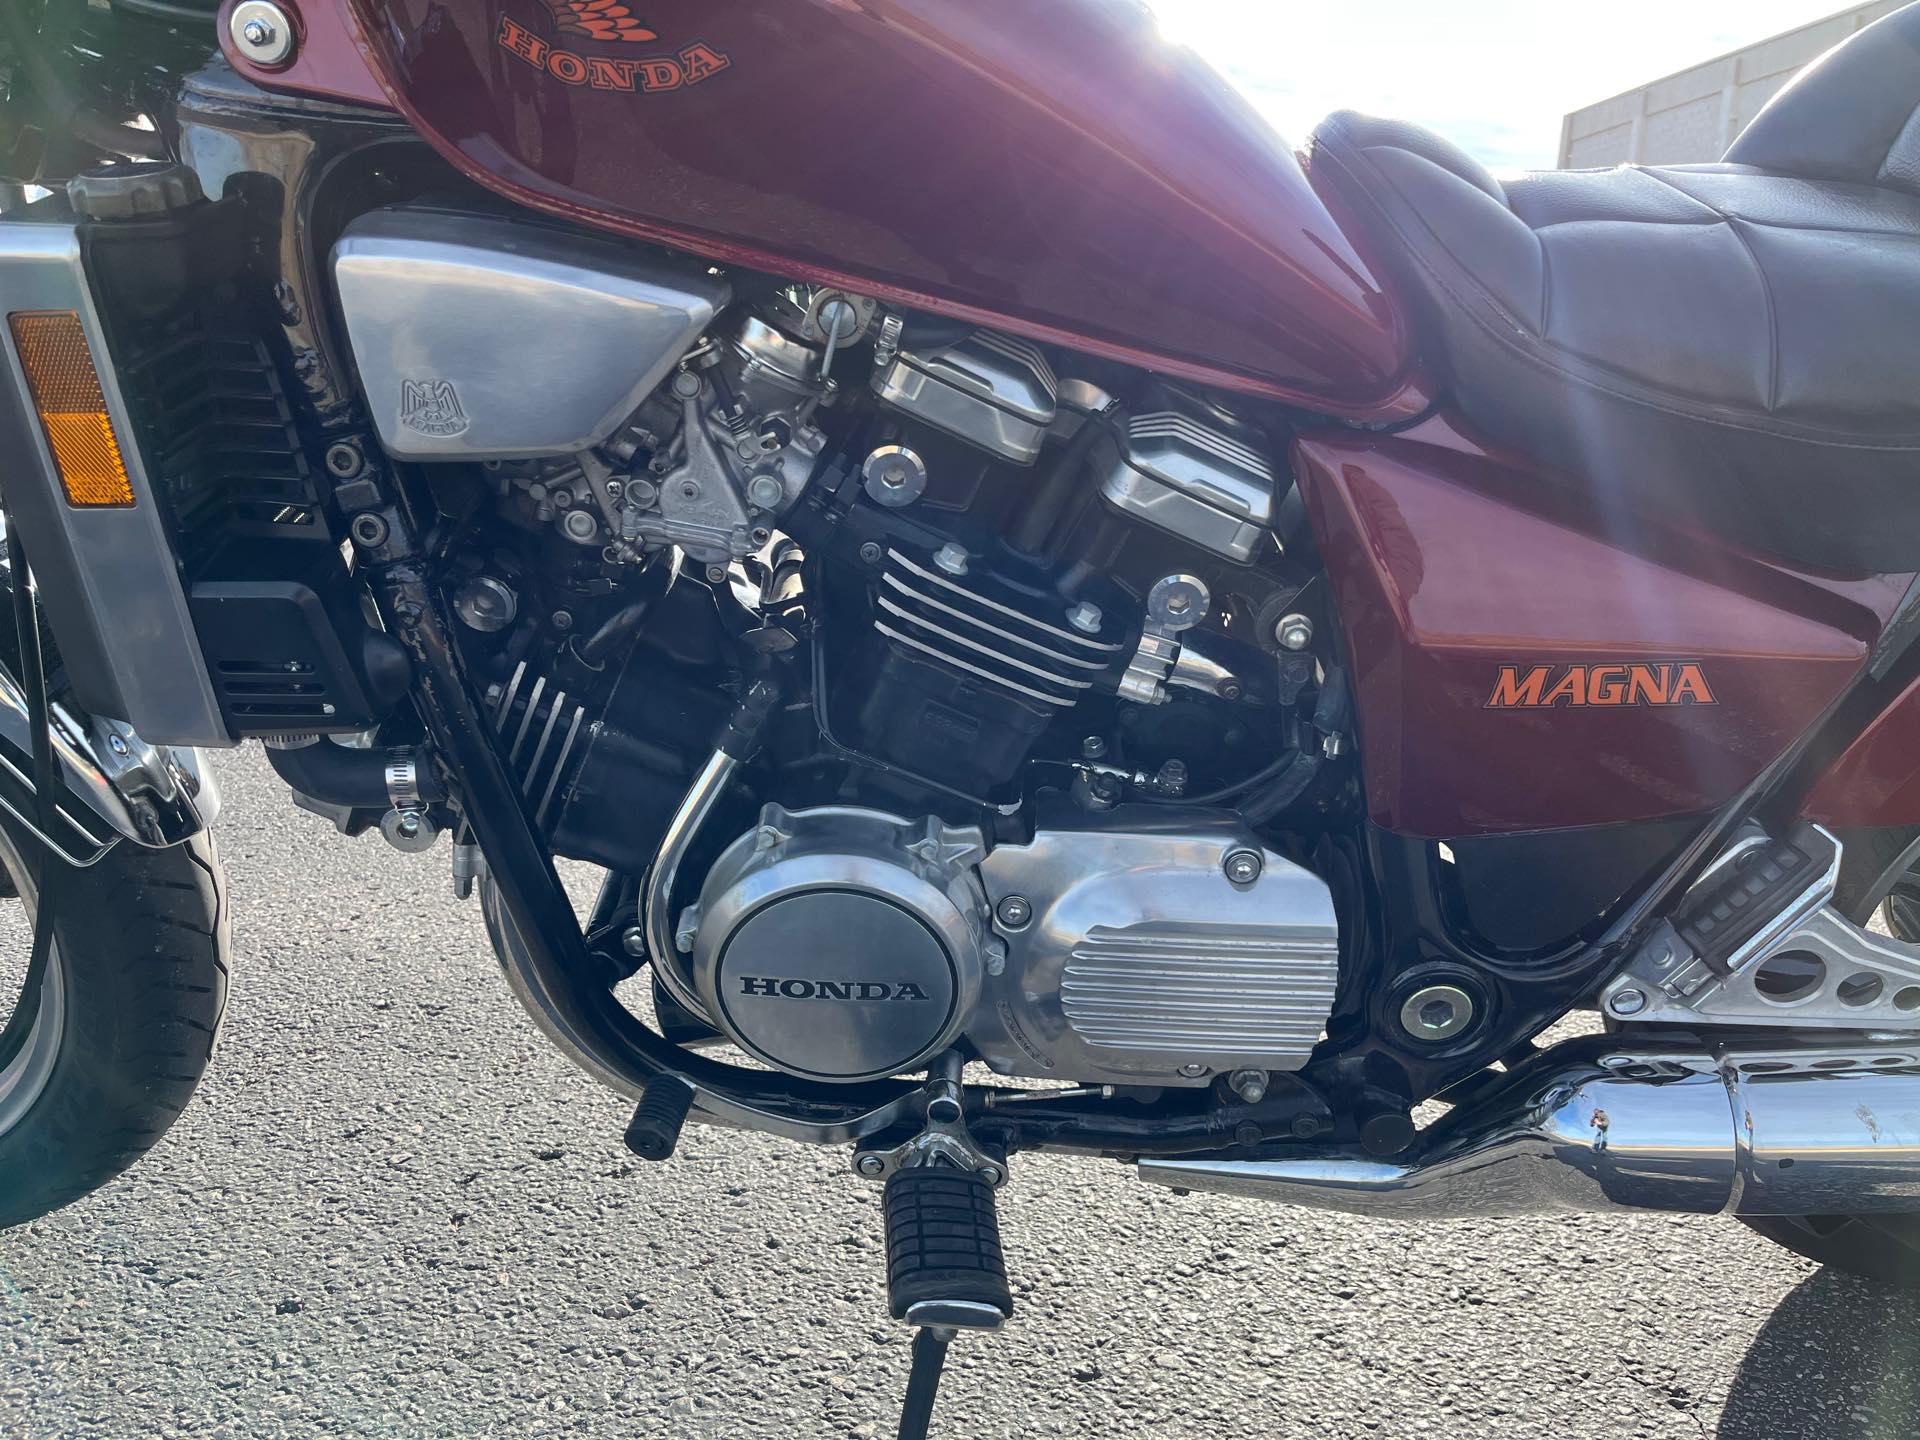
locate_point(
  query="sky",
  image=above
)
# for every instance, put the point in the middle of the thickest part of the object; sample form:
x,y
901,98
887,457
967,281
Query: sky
x,y
1494,76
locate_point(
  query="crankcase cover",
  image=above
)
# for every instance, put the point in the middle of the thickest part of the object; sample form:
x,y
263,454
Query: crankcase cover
x,y
1149,956
842,944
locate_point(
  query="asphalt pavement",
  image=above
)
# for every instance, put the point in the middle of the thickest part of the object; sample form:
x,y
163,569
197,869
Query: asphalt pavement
x,y
394,1211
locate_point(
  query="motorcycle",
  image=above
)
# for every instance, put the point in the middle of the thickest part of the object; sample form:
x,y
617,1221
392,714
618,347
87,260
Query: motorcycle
x,y
1067,624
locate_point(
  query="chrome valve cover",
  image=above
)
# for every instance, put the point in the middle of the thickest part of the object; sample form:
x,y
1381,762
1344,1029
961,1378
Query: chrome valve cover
x,y
1197,472
1139,961
990,389
841,944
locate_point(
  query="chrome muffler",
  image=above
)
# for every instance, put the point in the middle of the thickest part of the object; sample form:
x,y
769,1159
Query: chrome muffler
x,y
1591,1126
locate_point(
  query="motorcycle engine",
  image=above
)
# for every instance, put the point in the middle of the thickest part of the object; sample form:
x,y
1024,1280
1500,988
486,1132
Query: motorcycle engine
x,y
1029,610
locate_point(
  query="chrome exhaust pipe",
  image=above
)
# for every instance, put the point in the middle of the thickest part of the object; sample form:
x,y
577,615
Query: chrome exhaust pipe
x,y
1590,1127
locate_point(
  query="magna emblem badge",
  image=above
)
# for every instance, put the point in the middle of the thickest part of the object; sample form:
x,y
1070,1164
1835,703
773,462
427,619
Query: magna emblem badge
x,y
1541,687
431,407
611,24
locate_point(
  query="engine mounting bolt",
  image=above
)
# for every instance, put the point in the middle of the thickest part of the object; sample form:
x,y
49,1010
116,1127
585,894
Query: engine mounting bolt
x,y
1628,1001
1094,747
1015,912
952,558
1243,867
262,32
1436,1012
1085,617
344,459
634,942
1294,632
869,1165
1249,1085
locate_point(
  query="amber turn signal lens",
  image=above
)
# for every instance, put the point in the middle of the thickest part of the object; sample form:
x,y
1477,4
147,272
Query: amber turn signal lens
x,y
73,413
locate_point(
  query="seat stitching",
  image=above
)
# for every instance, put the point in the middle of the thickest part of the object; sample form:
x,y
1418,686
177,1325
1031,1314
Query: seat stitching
x,y
1905,443
1766,290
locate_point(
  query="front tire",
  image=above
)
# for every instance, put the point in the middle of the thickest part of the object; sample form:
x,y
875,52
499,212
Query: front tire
x,y
1877,877
124,1019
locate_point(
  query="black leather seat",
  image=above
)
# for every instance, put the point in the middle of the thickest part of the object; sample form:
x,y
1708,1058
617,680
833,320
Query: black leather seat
x,y
1735,345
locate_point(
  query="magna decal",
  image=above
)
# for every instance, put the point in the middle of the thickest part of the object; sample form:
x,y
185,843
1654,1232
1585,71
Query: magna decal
x,y
1541,687
641,74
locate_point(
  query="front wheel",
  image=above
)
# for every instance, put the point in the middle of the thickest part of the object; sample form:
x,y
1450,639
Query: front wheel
x,y
100,1051
1878,877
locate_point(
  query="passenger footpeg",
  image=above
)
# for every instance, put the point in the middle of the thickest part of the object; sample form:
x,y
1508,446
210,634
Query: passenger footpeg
x,y
945,1271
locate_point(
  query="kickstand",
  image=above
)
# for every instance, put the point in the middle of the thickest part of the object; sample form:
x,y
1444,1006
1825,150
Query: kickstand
x,y
923,1381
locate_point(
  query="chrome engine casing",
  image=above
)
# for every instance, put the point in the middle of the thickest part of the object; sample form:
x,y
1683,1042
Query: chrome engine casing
x,y
1196,471
989,389
1141,962
842,944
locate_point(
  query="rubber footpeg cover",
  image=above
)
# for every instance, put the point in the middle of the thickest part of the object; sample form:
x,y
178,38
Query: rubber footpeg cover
x,y
943,1240
659,1118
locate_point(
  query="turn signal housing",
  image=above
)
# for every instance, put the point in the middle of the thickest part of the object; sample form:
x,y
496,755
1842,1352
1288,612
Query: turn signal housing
x,y
53,351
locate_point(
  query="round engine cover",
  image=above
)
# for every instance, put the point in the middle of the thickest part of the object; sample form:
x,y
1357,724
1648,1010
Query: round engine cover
x,y
842,944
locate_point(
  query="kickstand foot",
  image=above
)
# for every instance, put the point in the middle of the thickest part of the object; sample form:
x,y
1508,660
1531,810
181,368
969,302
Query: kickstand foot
x,y
923,1381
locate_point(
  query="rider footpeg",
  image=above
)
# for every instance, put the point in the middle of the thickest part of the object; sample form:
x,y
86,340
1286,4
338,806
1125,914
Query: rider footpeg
x,y
659,1118
944,1264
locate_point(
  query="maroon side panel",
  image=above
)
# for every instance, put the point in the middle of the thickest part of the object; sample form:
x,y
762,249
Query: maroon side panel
x,y
1876,781
330,62
1447,568
1048,167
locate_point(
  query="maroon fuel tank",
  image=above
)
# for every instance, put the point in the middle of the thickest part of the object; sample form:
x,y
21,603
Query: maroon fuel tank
x,y
1048,167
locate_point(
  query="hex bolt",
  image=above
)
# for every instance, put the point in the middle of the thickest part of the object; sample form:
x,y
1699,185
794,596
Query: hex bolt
x,y
262,32
1085,617
1249,1085
1094,747
1243,867
344,459
870,1165
634,942
369,531
1628,1001
952,558
1294,632
1436,1012
1015,912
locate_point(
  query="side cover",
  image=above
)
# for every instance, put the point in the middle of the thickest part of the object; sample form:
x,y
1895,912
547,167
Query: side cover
x,y
1052,168
1520,669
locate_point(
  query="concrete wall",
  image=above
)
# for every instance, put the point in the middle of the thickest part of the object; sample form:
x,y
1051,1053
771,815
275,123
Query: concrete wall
x,y
1693,116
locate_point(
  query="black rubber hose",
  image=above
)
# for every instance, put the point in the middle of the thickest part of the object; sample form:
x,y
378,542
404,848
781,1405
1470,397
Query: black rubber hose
x,y
336,775
64,107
